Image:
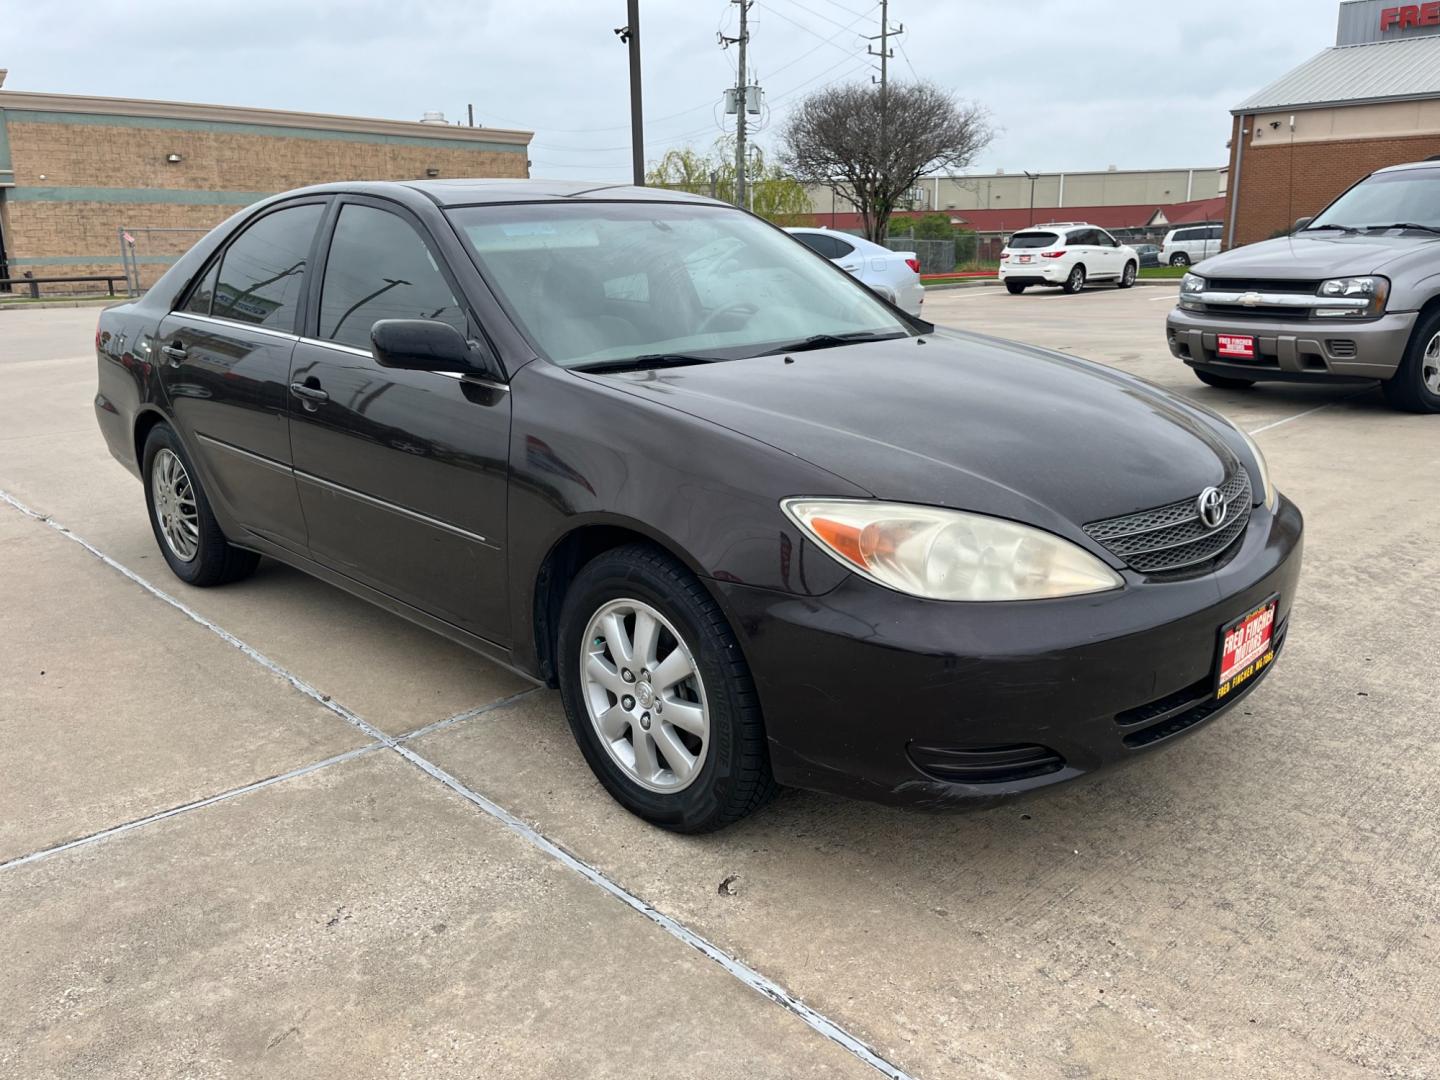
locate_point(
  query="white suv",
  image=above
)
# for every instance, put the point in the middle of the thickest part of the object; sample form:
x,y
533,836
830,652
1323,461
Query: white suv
x,y
1068,254
1191,244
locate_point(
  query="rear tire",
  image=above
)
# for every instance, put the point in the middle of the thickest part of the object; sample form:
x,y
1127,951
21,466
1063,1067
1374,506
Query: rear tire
x,y
1222,382
1180,259
1015,288
1076,281
190,539
693,776
1415,386
1127,279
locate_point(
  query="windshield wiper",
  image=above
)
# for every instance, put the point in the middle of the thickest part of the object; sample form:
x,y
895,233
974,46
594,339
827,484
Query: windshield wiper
x,y
647,362
831,341
1405,225
1350,229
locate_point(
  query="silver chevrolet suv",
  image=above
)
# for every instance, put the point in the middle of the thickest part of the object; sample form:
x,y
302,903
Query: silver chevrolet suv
x,y
1351,295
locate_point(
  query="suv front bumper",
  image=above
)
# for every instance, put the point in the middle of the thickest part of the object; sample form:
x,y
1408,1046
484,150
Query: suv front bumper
x,y
1293,349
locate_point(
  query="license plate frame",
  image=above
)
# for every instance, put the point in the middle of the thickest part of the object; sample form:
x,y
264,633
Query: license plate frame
x,y
1241,660
1236,346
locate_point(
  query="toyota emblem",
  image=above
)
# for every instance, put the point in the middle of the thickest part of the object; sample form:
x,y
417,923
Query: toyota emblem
x,y
1211,508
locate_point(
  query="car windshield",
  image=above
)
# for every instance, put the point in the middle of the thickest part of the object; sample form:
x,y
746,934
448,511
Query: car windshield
x,y
1033,239
597,283
1412,195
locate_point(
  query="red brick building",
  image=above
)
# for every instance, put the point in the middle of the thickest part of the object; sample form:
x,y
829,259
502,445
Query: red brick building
x,y
1371,101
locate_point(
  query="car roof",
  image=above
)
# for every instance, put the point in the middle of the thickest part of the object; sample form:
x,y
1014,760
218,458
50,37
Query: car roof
x,y
1427,164
470,192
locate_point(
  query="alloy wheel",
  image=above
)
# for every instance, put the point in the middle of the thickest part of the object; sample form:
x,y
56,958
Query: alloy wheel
x,y
1077,279
1430,365
175,509
1129,273
644,695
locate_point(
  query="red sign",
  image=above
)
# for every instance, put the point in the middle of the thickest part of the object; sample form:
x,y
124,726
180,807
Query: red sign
x,y
1410,15
1240,347
1246,648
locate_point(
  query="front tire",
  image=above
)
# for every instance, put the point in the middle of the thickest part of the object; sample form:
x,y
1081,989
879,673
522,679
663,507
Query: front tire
x,y
1014,288
1415,386
1127,279
191,540
658,695
1076,281
1221,382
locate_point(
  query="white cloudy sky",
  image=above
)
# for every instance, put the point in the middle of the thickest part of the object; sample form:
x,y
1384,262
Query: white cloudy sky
x,y
1071,84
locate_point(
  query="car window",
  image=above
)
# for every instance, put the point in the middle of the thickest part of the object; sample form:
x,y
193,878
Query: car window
x,y
1213,233
1023,240
1104,239
818,243
1192,234
1082,238
204,291
380,268
716,281
842,248
262,270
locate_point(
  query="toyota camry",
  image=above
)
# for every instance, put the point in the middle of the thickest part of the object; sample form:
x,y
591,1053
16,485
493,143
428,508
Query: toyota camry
x,y
757,525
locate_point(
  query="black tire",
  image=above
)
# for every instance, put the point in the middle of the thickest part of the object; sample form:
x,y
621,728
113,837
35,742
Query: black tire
x,y
1076,281
1015,288
1128,275
1406,389
215,561
1222,382
734,777
1180,259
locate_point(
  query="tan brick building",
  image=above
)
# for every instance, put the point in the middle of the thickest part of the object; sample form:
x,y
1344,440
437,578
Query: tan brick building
x,y
1371,101
76,172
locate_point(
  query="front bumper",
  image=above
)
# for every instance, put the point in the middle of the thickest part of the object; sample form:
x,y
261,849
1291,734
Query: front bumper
x,y
861,686
1294,350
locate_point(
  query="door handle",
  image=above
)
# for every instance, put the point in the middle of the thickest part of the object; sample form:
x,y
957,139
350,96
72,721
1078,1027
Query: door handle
x,y
309,394
175,350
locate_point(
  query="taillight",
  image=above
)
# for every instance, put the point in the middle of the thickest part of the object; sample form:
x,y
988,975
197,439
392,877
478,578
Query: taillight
x,y
1052,254
913,264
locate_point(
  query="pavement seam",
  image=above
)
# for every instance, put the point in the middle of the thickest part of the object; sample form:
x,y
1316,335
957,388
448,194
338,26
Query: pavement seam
x,y
737,968
184,808
468,714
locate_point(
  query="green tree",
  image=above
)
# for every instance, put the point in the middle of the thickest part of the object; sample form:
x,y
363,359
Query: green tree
x,y
774,194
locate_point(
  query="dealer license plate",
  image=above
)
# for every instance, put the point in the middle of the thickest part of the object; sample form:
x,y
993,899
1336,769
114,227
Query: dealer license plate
x,y
1235,346
1247,647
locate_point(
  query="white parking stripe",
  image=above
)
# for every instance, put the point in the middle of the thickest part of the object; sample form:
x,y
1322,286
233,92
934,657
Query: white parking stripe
x,y
740,970
1310,412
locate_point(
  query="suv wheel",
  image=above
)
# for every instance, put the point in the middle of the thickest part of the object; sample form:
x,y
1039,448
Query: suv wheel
x,y
658,695
1127,279
1014,288
1180,259
185,527
1415,386
1076,281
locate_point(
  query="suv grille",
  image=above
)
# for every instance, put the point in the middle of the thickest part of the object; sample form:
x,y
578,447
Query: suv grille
x,y
1265,285
1172,537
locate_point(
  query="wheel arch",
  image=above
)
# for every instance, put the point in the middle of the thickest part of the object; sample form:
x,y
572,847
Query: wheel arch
x,y
145,421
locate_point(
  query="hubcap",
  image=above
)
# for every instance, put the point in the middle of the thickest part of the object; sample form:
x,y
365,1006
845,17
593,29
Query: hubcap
x,y
1076,278
656,727
1430,365
175,509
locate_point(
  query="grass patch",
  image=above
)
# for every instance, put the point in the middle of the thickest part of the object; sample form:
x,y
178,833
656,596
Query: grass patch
x,y
1164,271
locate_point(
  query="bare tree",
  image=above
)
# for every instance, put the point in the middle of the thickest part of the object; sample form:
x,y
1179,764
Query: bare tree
x,y
872,147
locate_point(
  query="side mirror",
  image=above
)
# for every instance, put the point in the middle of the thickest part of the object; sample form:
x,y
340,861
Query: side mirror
x,y
425,345
1300,223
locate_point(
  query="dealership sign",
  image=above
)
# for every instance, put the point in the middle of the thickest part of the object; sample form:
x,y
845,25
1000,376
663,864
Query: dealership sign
x,y
1366,22
1409,15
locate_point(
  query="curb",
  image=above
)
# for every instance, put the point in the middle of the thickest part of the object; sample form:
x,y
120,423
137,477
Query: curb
x,y
104,301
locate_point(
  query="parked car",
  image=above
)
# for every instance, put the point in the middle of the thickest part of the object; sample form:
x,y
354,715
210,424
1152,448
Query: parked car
x,y
1067,254
1149,254
1190,245
895,275
1354,294
642,446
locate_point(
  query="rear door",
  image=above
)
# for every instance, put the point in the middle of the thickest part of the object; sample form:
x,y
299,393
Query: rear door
x,y
402,474
225,362
1111,257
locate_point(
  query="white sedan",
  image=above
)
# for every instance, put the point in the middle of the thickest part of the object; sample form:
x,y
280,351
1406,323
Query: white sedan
x,y
894,275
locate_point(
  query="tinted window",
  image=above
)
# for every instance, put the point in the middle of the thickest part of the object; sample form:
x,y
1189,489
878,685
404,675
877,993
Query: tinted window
x,y
821,245
1082,237
261,273
841,248
1033,240
1190,234
199,302
1104,239
1214,232
380,268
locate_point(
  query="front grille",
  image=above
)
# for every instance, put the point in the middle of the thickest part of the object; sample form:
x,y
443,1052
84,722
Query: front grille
x,y
1172,537
1239,311
986,764
1262,285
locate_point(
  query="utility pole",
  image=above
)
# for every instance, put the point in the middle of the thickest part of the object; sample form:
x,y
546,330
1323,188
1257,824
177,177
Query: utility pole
x,y
630,35
742,95
1032,177
886,54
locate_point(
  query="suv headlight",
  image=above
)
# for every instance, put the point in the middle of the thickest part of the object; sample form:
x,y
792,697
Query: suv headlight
x,y
1267,489
940,554
1373,290
1191,286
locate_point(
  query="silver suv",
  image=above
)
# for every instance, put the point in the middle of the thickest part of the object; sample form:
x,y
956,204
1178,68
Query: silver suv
x,y
1351,295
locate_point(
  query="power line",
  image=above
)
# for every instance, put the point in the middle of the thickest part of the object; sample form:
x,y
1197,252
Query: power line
x,y
842,7
813,33
826,41
817,14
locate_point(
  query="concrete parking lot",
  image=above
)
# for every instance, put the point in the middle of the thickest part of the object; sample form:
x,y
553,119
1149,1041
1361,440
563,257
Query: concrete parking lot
x,y
269,830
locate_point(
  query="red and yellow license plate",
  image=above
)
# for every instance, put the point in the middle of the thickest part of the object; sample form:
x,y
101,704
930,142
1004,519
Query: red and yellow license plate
x,y
1235,346
1247,647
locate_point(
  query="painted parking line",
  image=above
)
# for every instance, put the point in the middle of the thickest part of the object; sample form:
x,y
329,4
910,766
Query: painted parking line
x,y
752,978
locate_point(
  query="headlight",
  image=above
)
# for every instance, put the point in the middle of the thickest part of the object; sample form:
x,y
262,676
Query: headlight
x,y
1361,297
943,554
1267,489
1191,286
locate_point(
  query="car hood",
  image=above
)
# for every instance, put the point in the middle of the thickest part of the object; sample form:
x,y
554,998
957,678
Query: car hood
x,y
962,420
1313,257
